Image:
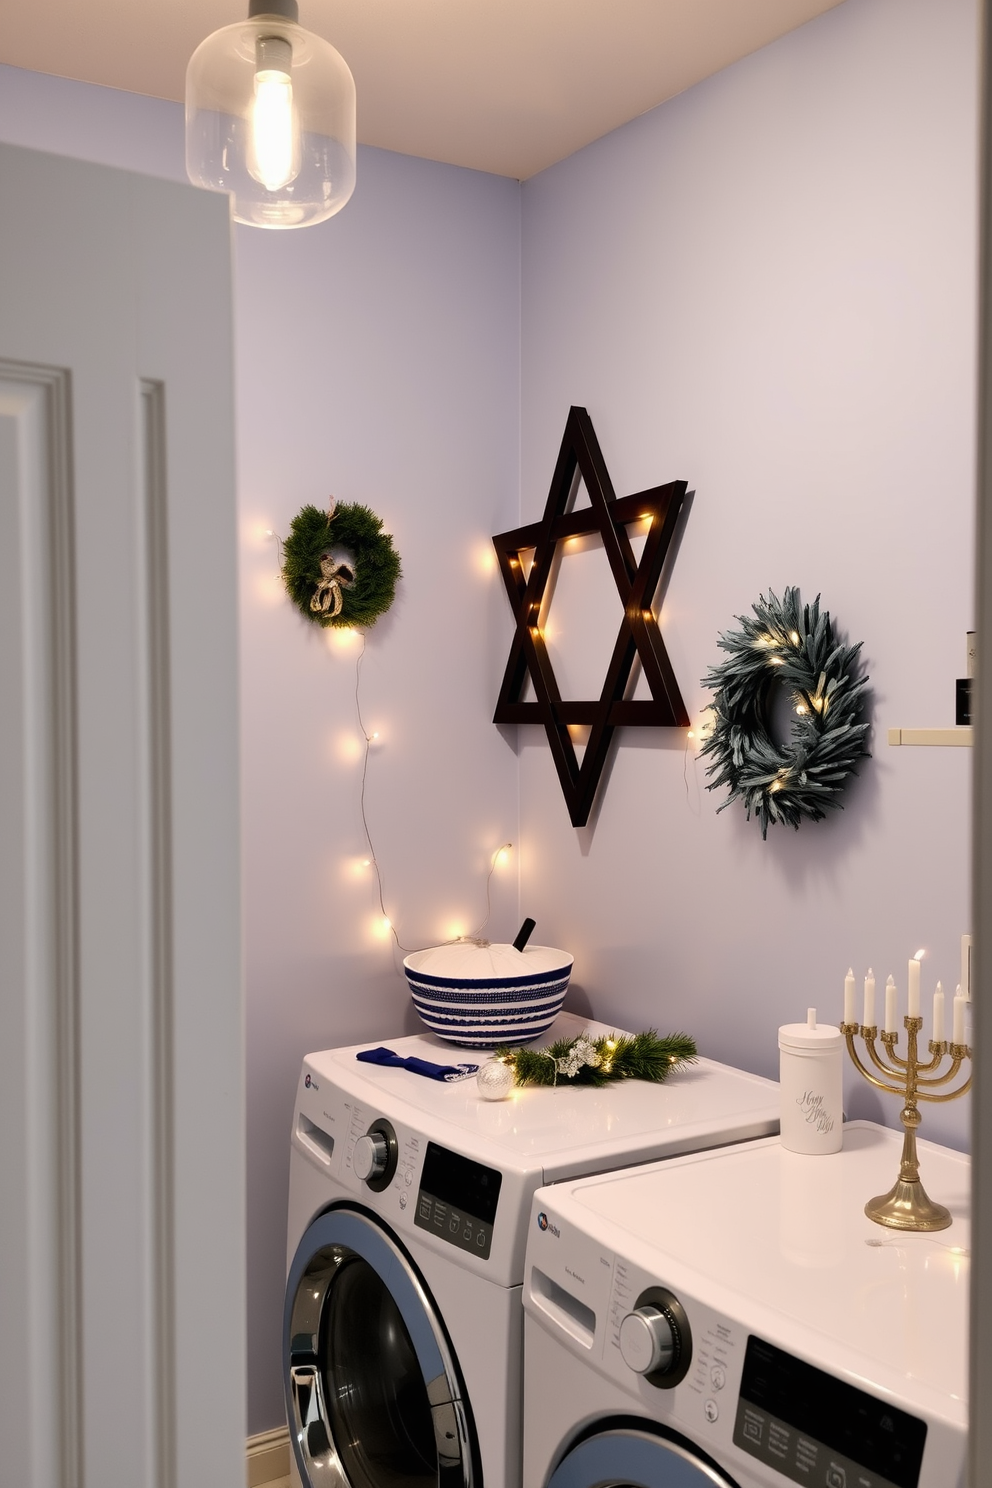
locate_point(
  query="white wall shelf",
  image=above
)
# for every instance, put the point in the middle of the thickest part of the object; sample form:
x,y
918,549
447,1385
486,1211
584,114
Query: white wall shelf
x,y
961,735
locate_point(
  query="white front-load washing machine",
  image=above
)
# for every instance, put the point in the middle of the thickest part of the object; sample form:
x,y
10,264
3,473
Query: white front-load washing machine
x,y
734,1320
408,1208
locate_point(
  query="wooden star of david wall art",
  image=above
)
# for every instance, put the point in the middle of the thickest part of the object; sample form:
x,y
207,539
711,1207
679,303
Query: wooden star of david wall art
x,y
639,636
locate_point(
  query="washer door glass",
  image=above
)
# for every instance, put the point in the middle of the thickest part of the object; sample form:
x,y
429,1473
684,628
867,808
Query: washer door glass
x,y
380,1416
629,1458
374,1396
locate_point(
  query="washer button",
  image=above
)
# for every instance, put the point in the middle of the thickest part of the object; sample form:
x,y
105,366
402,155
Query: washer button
x,y
402,1200
718,1376
711,1410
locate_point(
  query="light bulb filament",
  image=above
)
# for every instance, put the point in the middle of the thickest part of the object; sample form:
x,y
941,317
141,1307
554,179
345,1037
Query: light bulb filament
x,y
274,157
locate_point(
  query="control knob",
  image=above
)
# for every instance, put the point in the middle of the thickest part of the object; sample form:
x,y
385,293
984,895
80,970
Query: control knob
x,y
648,1342
371,1156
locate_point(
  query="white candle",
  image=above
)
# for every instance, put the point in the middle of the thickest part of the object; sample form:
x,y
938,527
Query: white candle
x,y
960,1003
849,1014
966,967
938,1015
889,1025
914,988
870,999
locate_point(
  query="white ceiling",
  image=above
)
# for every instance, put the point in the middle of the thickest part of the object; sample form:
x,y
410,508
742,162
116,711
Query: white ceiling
x,y
508,86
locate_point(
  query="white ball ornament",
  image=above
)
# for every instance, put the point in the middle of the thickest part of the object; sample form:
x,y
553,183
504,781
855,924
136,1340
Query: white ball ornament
x,y
495,1080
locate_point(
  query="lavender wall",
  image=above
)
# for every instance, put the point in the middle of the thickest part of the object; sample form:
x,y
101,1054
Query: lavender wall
x,y
378,361
766,287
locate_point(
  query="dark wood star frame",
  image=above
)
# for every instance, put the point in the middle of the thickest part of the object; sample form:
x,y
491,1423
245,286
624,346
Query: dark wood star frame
x,y
639,635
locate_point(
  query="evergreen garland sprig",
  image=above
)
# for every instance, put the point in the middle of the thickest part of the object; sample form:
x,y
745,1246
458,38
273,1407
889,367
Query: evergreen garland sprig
x,y
358,531
601,1061
794,645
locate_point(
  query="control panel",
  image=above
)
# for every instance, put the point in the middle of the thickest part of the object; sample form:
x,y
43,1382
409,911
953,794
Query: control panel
x,y
429,1192
814,1428
457,1200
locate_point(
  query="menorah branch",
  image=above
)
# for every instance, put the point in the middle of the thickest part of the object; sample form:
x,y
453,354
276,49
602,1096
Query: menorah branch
x,y
850,1031
907,1206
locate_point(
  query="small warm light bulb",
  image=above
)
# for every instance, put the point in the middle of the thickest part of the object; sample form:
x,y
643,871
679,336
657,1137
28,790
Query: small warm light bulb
x,y
349,748
274,156
794,637
379,927
341,637
366,862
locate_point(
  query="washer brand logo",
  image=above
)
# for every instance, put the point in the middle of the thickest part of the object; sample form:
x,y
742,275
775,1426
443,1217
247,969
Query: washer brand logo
x,y
311,1083
544,1223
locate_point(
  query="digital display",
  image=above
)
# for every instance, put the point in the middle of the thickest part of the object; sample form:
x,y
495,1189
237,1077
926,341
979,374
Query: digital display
x,y
457,1200
812,1427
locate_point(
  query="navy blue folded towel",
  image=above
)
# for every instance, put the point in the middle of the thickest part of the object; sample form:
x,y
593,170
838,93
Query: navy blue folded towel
x,y
417,1066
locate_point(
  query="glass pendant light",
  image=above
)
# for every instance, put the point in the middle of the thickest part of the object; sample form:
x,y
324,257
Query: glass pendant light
x,y
270,117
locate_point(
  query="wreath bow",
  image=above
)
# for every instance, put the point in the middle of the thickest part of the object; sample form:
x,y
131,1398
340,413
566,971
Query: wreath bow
x,y
327,598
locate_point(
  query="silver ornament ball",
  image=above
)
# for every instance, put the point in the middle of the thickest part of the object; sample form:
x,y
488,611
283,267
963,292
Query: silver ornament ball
x,y
495,1080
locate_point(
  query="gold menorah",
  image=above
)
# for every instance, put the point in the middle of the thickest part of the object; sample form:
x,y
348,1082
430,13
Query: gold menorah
x,y
907,1205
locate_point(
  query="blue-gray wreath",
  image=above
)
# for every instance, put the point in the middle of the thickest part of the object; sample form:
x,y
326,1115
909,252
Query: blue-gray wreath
x,y
790,645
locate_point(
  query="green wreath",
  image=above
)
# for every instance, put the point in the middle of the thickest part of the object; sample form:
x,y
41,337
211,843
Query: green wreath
x,y
792,645
339,567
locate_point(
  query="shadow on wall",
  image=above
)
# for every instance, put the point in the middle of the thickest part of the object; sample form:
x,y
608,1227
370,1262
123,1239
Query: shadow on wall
x,y
577,1001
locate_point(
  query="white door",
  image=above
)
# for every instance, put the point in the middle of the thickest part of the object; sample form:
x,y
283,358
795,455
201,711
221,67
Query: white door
x,y
121,1127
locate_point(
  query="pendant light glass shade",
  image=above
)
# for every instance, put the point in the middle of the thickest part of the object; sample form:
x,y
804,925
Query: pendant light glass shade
x,y
270,117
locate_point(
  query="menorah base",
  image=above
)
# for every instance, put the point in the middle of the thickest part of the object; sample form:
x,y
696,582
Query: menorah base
x,y
907,1206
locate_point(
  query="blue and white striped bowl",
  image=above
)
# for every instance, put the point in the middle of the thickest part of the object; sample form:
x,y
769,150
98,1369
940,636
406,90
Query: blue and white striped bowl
x,y
472,1001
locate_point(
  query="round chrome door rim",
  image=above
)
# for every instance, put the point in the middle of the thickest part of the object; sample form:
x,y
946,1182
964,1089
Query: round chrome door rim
x,y
329,1241
634,1459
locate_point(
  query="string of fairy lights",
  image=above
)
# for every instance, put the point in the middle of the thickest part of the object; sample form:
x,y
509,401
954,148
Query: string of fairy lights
x,y
477,937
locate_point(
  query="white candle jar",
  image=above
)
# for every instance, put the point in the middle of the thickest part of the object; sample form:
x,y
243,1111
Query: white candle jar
x,y
811,1076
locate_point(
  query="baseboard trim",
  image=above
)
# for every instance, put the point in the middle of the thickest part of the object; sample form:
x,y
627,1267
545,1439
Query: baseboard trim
x,y
268,1457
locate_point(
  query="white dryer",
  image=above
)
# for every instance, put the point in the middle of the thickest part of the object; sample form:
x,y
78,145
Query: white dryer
x,y
733,1320
403,1329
